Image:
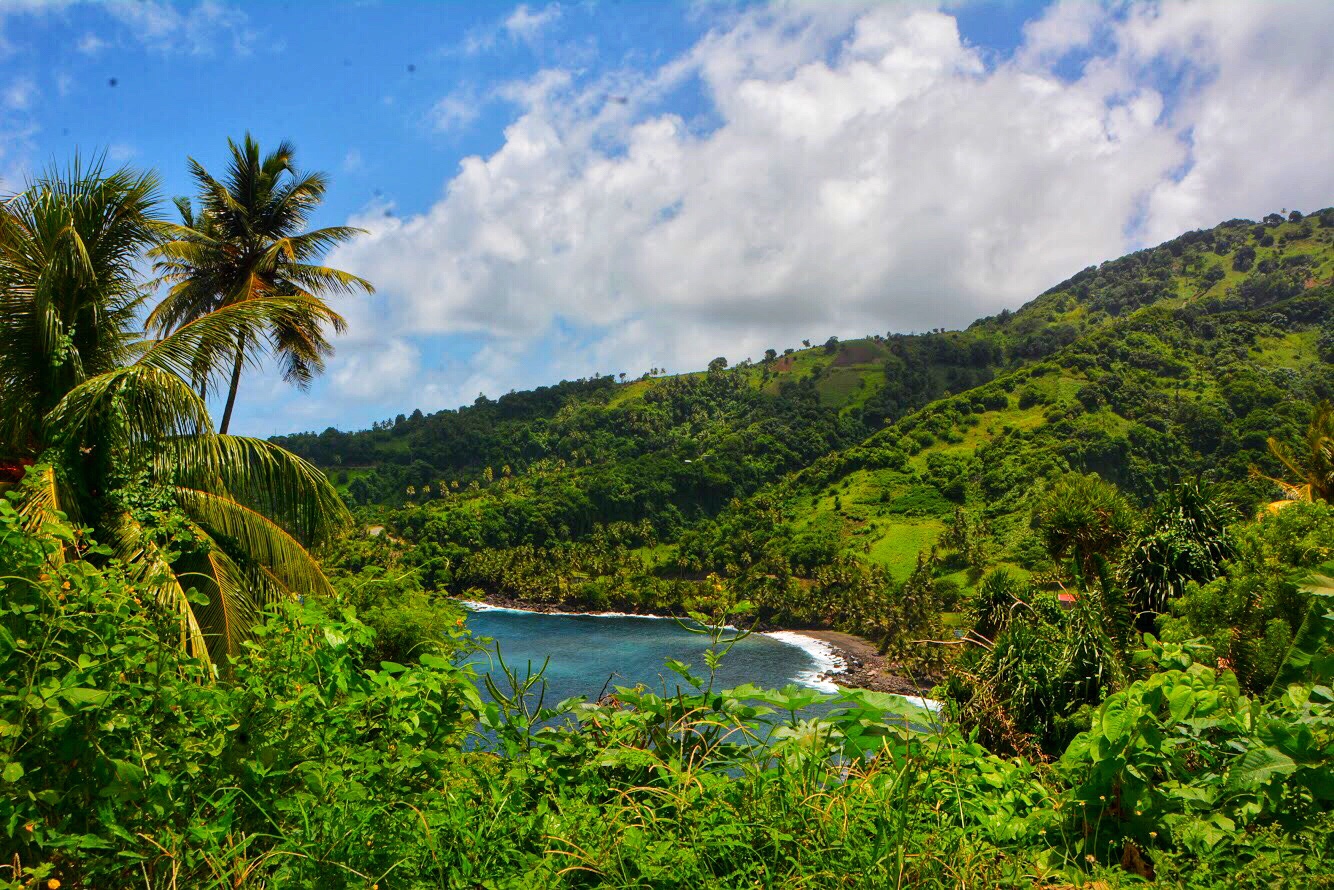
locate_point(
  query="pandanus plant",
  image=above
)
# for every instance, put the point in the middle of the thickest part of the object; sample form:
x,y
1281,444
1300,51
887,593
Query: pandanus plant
x,y
117,423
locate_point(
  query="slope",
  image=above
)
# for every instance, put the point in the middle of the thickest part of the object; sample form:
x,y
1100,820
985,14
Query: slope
x,y
811,478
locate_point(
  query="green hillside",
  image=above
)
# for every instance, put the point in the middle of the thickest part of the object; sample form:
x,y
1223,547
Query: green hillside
x,y
849,460
1058,524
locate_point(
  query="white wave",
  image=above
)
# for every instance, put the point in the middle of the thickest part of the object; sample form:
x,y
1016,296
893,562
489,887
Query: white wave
x,y
929,704
474,606
826,658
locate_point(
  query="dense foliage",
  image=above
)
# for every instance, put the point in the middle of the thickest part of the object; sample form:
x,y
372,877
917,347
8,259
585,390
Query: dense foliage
x,y
123,766
1048,516
819,481
117,426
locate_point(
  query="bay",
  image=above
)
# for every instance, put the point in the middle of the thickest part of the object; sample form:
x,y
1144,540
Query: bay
x,y
591,654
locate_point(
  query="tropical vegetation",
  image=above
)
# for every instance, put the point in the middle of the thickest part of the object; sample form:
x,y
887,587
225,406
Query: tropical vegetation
x,y
1099,528
115,425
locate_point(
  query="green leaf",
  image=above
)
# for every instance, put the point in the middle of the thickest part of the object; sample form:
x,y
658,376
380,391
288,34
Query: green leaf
x,y
12,772
81,695
1179,702
1310,658
1258,767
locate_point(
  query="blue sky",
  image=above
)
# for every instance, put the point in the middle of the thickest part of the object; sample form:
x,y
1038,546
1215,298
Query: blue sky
x,y
560,189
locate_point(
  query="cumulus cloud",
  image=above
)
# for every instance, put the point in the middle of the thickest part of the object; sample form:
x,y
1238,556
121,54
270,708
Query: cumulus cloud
x,y
364,374
856,170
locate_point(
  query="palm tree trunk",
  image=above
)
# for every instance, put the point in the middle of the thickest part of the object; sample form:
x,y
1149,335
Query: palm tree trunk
x,y
231,393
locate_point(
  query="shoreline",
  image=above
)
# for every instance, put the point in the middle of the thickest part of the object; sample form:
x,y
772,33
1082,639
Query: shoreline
x,y
841,659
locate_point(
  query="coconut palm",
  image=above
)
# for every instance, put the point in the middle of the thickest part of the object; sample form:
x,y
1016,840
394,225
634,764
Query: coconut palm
x,y
68,293
244,241
117,424
1315,476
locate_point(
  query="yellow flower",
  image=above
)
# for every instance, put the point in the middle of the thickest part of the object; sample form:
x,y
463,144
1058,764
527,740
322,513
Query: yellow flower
x,y
53,884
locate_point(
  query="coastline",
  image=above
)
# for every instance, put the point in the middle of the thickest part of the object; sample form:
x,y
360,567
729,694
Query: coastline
x,y
841,659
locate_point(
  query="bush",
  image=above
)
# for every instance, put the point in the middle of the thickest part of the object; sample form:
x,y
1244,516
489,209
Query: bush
x,y
1030,395
125,763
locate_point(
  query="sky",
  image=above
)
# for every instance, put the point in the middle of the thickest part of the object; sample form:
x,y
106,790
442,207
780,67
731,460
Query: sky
x,y
555,190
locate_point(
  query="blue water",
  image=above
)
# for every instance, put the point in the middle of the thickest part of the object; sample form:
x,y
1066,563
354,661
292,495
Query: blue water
x,y
589,654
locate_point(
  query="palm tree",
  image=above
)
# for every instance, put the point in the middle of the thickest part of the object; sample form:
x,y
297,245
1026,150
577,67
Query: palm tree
x,y
117,424
244,242
1316,477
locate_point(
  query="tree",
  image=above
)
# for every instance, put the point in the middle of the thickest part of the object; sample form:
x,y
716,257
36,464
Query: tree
x,y
770,354
831,346
806,343
718,365
1211,276
1314,471
1185,541
1244,259
245,241
118,429
997,597
1083,517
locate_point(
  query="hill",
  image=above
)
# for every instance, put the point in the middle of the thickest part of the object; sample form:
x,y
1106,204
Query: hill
x,y
814,480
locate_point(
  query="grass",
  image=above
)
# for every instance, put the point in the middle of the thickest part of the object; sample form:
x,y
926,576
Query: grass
x,y
898,542
1290,351
989,425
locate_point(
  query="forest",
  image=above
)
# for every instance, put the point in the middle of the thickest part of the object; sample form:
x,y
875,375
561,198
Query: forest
x,y
1099,529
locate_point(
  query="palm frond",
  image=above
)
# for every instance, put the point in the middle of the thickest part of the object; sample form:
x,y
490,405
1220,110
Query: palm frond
x,y
137,549
45,499
292,492
142,402
237,597
231,523
210,340
69,288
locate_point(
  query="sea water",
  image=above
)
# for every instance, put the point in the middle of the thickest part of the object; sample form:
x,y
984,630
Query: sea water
x,y
590,655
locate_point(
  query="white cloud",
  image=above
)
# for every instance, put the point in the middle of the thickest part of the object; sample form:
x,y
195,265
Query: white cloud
x,y
19,95
366,373
456,110
867,170
201,29
353,161
90,44
527,24
523,25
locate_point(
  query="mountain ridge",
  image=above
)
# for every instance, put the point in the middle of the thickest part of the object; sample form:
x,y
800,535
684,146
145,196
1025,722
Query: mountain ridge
x,y
841,466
